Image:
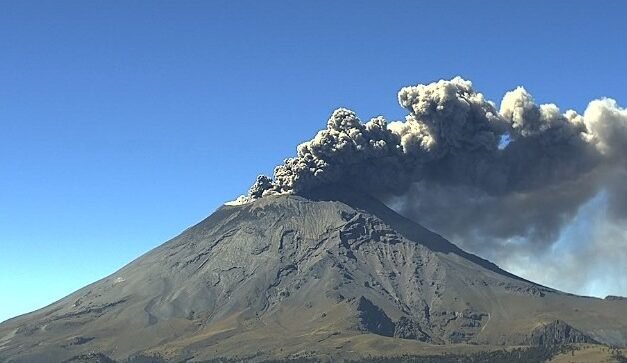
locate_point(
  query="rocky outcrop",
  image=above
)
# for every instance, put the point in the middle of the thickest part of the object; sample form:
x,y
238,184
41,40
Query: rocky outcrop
x,y
557,332
372,318
406,328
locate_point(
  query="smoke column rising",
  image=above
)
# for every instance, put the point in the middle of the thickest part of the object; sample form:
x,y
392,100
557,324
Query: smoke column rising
x,y
508,182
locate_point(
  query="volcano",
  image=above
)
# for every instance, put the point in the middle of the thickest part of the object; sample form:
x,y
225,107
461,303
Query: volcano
x,y
334,273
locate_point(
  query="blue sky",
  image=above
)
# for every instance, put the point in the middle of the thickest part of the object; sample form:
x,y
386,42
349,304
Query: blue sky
x,y
124,122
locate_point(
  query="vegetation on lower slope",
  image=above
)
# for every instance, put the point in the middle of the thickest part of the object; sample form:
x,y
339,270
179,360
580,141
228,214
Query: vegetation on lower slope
x,y
522,355
516,355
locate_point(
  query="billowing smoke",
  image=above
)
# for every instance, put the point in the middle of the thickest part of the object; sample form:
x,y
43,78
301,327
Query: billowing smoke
x,y
507,182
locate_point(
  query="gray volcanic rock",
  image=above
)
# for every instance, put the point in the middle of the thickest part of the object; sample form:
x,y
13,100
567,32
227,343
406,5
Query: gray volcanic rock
x,y
372,318
408,329
333,273
558,332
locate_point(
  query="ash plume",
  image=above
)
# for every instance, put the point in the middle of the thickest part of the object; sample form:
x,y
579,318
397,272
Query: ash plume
x,y
495,180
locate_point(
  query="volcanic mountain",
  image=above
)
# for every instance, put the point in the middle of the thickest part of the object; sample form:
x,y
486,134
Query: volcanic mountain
x,y
335,273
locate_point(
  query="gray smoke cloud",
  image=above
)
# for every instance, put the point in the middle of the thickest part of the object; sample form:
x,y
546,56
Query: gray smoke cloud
x,y
506,183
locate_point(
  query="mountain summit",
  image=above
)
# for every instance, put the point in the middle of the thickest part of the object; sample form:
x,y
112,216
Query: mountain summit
x,y
333,273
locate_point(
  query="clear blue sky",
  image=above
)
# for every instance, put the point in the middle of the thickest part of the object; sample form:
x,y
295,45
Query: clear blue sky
x,y
124,122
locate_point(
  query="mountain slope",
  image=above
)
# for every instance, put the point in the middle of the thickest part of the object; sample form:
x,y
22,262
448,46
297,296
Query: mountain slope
x,y
326,274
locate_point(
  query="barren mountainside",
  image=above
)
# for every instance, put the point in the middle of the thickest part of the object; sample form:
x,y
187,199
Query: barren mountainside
x,y
330,274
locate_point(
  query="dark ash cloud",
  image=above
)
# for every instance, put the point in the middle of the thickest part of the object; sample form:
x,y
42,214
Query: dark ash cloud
x,y
447,167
